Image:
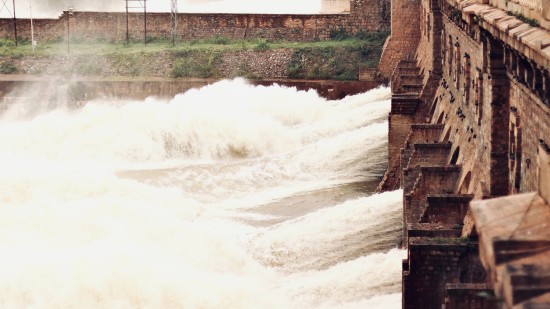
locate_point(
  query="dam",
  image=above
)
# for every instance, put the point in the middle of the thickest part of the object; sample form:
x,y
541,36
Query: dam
x,y
469,130
465,150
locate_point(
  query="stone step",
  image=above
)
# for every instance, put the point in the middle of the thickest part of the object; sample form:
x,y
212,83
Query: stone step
x,y
439,179
424,132
446,208
429,154
470,295
432,262
410,78
434,230
407,63
412,87
421,154
404,105
407,70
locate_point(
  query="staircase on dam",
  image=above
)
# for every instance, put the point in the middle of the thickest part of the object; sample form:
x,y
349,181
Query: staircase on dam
x,y
503,261
434,211
469,130
443,268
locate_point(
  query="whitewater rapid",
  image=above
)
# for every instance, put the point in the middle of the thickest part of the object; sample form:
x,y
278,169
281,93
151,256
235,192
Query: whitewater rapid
x,y
228,196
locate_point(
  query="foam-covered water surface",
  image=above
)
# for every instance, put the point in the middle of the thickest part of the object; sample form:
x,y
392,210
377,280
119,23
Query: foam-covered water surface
x,y
228,196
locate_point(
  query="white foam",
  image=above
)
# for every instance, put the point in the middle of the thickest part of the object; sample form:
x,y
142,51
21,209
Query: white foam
x,y
88,219
331,235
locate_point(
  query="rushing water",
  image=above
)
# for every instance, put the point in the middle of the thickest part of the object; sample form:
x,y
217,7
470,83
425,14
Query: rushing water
x,y
230,196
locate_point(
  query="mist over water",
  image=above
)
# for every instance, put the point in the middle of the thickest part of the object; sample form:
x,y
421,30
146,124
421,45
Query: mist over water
x,y
228,196
55,8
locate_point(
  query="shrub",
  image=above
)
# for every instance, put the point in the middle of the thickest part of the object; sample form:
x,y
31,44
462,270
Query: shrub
x,y
339,34
7,42
531,22
201,64
295,68
218,40
262,45
374,37
7,68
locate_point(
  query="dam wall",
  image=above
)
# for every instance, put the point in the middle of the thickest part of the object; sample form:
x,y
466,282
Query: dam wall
x,y
363,15
469,131
73,92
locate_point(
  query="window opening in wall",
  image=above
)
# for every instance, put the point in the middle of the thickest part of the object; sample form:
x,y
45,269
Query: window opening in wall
x,y
529,74
465,186
423,22
458,65
521,71
440,119
515,156
546,85
538,82
432,109
429,26
444,48
513,63
467,67
454,158
447,135
450,59
479,95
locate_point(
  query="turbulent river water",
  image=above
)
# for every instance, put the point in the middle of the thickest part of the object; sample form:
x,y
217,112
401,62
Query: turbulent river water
x,y
228,196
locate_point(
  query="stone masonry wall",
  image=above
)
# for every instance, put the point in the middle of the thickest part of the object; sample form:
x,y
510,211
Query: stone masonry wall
x,y
404,36
492,105
365,15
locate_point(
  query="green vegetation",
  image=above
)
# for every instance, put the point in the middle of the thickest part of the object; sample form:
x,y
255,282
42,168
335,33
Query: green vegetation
x,y
262,45
337,58
195,64
367,46
80,46
7,68
530,21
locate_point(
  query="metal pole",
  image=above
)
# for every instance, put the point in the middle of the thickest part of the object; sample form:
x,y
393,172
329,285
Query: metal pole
x,y
145,20
32,27
174,20
127,30
14,24
68,34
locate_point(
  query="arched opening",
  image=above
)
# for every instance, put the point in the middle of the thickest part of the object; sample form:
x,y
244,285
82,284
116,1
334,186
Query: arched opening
x,y
434,105
440,119
465,186
454,158
447,135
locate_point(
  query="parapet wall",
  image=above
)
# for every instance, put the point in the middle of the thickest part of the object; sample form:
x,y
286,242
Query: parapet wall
x,y
364,15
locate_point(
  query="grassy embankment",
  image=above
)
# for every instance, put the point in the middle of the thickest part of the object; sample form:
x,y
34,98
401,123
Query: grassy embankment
x,y
338,58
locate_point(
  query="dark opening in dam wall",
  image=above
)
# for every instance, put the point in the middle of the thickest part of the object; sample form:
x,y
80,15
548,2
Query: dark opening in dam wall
x,y
15,89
